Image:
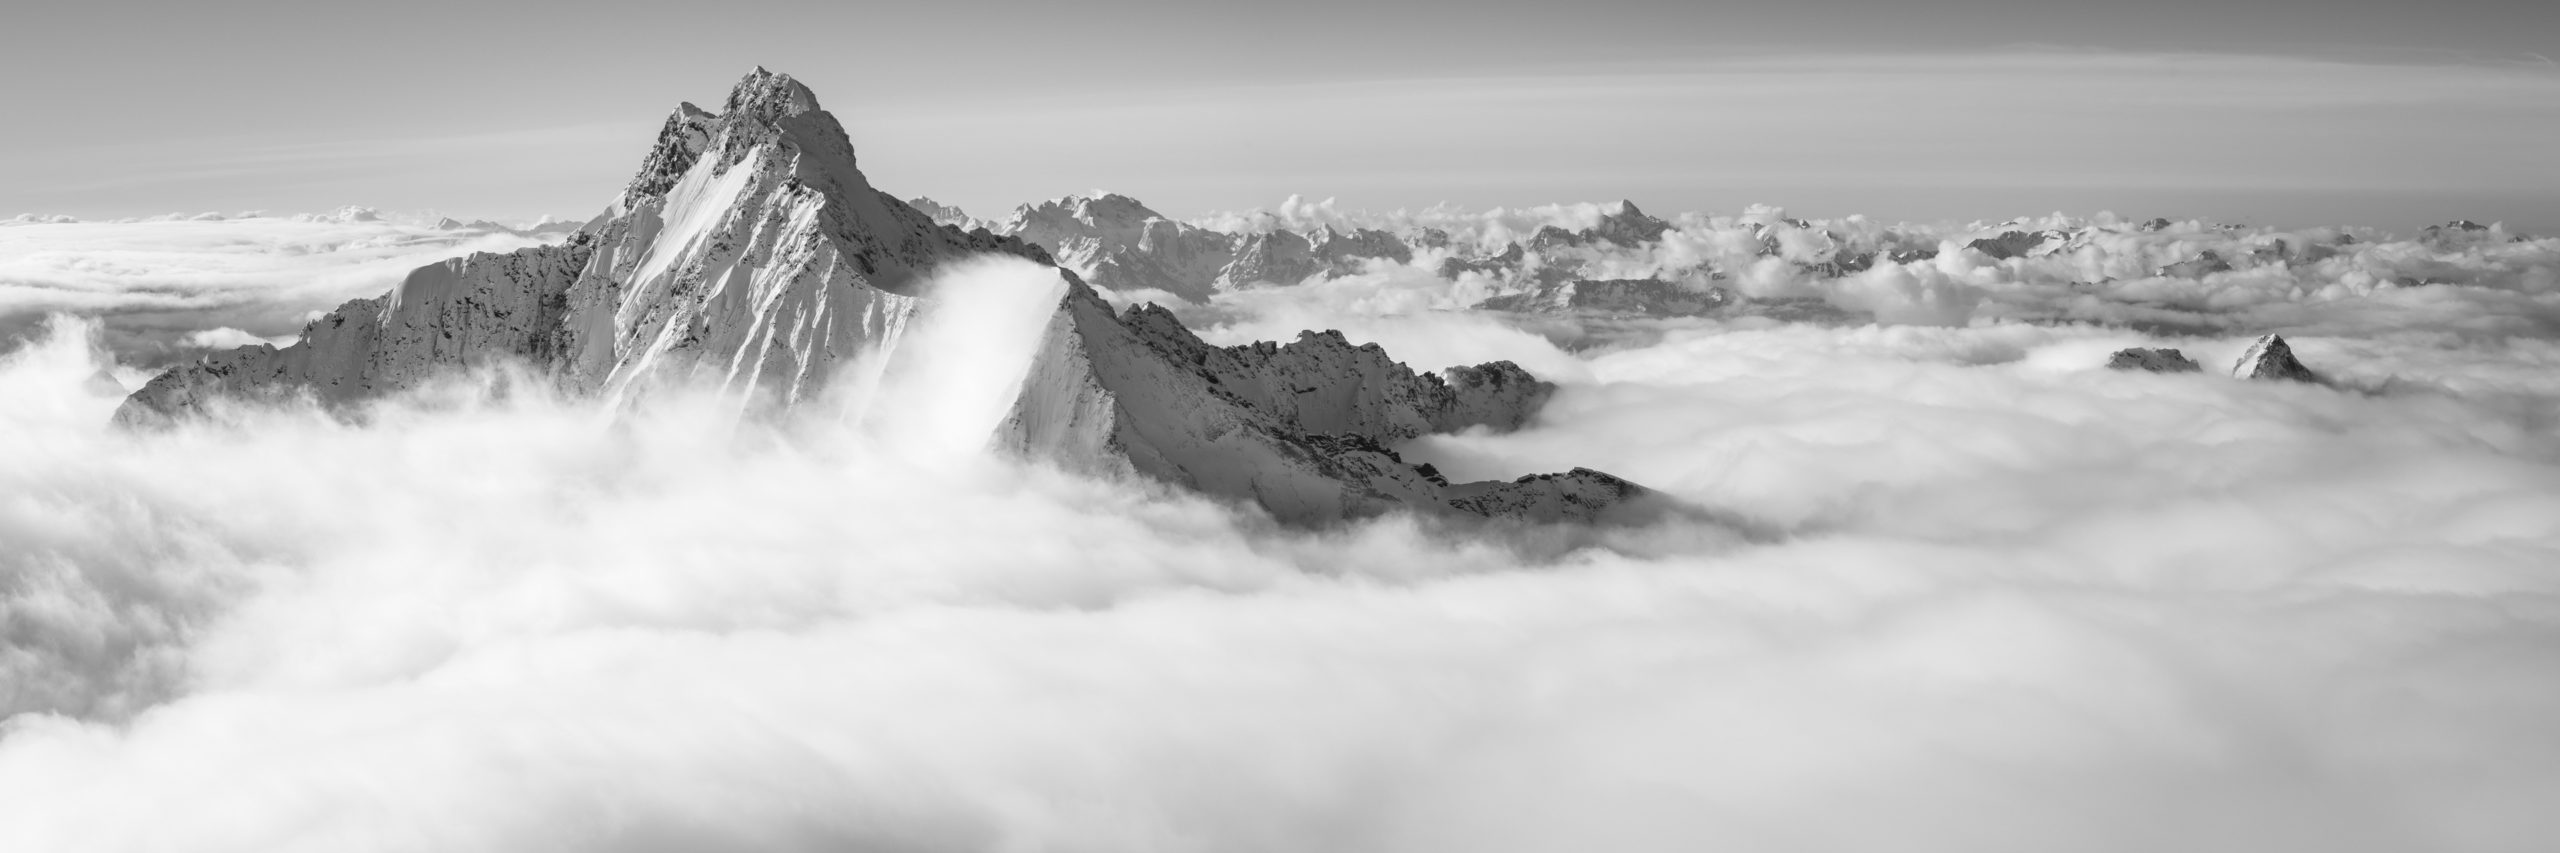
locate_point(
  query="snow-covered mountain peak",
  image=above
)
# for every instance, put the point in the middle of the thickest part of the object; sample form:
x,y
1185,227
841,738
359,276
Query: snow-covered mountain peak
x,y
751,257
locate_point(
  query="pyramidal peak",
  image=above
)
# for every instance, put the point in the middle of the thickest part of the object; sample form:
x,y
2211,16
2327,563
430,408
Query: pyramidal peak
x,y
749,255
2270,358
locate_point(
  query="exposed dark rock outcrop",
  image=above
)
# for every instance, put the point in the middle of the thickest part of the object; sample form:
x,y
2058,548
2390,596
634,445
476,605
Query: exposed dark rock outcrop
x,y
2153,360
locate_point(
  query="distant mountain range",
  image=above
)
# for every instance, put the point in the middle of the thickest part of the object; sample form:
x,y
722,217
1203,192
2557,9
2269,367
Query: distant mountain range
x,y
1617,259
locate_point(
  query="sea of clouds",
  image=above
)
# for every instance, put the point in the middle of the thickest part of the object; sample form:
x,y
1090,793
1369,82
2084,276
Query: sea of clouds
x,y
1958,588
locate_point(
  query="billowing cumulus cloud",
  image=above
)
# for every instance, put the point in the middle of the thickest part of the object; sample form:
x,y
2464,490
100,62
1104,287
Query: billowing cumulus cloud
x,y
1958,588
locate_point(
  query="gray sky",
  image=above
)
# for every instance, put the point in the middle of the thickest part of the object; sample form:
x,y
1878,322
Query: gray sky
x,y
2357,112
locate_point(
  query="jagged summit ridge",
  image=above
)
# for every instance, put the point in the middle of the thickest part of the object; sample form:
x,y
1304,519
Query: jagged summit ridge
x,y
749,254
769,97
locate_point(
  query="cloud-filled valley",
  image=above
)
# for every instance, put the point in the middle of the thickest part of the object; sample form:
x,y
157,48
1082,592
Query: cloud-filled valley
x,y
1941,579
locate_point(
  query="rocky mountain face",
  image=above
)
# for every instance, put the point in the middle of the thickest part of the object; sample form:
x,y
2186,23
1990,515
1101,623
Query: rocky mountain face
x,y
1300,429
1120,244
750,255
747,254
2153,361
445,316
2270,358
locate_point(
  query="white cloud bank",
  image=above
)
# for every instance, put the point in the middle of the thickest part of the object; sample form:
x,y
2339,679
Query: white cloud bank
x,y
1995,598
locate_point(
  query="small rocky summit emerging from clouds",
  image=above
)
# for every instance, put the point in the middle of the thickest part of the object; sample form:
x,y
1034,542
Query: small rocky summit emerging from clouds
x,y
749,255
2153,360
2270,358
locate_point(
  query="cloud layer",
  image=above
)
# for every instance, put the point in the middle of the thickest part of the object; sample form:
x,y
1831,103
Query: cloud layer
x,y
1966,591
